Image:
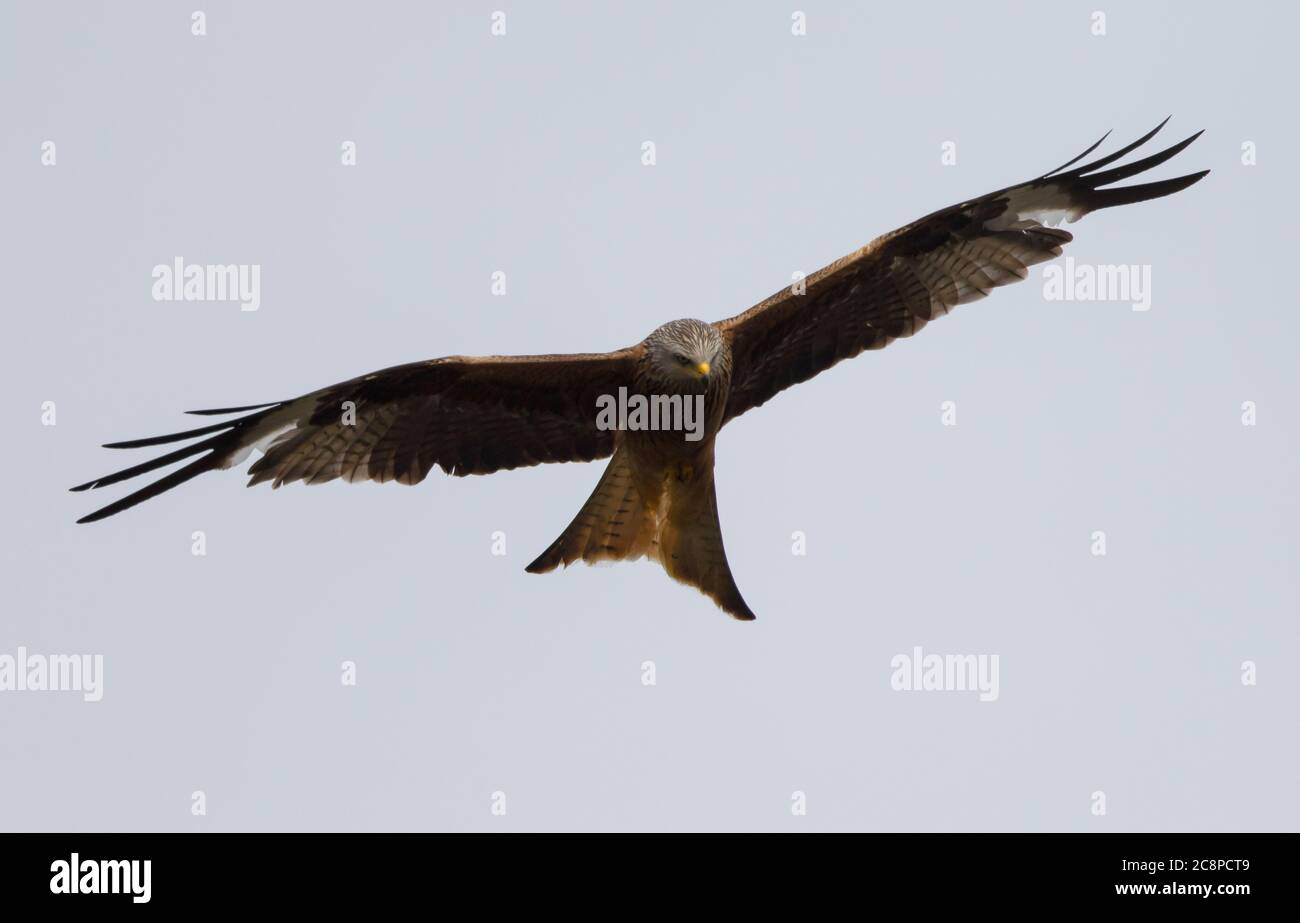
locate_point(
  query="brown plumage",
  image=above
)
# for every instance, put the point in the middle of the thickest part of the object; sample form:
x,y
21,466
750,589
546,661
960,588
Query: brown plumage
x,y
656,499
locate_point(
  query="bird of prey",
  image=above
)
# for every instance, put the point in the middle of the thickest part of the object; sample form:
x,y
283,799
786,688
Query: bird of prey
x,y
656,499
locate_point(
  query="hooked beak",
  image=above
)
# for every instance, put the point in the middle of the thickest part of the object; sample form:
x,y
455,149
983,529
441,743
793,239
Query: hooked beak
x,y
703,369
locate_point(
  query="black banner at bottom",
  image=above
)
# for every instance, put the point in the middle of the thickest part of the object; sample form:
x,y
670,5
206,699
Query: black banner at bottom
x,y
337,870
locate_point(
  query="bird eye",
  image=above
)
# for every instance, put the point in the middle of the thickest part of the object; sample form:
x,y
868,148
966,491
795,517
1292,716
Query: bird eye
x,y
681,360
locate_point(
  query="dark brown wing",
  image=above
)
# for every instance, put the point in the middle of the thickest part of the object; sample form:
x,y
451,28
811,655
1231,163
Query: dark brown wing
x,y
896,284
465,415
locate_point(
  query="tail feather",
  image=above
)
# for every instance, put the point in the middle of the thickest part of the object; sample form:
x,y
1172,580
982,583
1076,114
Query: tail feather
x,y
678,527
613,525
691,550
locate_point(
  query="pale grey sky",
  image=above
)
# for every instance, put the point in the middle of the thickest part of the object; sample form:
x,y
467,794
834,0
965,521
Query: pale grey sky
x,y
776,153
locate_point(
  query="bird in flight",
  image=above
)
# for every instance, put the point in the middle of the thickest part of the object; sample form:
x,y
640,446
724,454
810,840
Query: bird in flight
x,y
656,498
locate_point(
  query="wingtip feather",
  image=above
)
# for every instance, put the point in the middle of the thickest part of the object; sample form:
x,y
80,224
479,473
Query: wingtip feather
x,y
218,411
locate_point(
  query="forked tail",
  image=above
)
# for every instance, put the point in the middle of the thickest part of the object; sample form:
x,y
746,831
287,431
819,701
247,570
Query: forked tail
x,y
613,525
678,527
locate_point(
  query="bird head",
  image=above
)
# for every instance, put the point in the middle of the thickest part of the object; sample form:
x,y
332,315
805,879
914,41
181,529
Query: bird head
x,y
685,354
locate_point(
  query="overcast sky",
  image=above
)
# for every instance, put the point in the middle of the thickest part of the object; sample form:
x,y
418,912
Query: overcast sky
x,y
1126,675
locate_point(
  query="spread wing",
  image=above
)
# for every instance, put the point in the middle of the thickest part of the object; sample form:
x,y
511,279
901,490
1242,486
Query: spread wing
x,y
465,415
893,286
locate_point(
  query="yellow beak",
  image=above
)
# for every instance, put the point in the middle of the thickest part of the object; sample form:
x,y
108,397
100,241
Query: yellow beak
x,y
702,368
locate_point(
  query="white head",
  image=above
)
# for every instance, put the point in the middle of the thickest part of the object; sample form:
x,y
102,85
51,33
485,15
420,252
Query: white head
x,y
686,353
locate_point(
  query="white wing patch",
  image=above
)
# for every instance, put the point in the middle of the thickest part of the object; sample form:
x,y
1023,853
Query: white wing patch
x,y
276,427
1046,206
